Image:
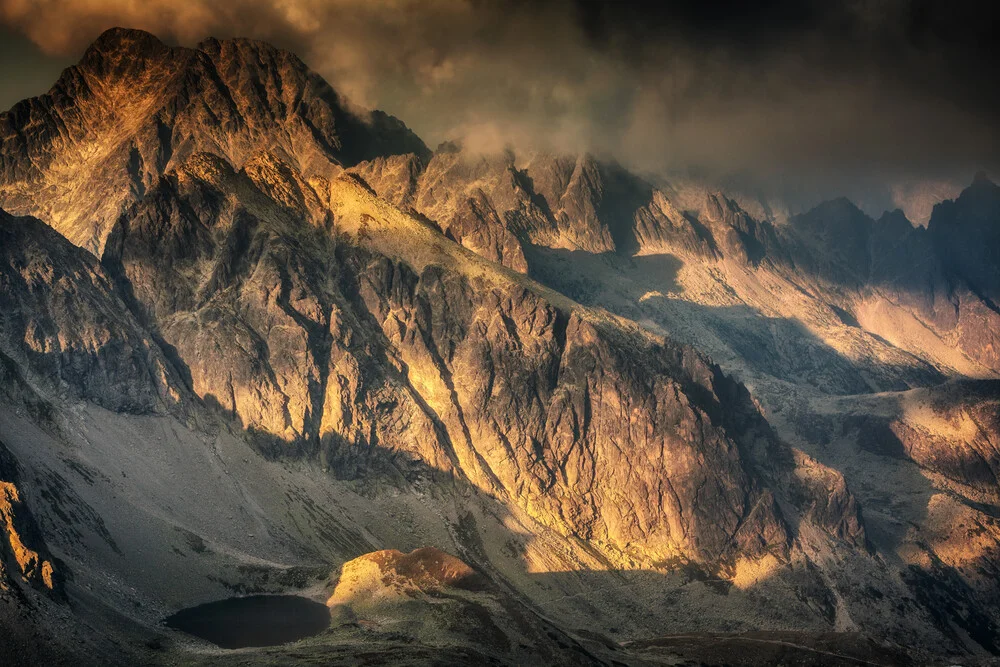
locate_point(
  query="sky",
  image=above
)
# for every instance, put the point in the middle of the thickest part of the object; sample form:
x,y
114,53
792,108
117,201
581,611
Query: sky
x,y
885,101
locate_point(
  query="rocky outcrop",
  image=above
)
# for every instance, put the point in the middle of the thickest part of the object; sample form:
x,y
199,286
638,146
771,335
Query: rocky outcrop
x,y
393,574
660,228
24,558
64,324
134,108
827,500
395,178
485,200
738,235
576,210
476,226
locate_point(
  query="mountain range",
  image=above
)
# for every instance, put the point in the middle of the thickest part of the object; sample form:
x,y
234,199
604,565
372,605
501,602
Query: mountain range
x,y
256,340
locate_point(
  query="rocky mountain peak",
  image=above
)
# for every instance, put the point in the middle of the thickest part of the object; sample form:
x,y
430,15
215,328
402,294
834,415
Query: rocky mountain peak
x,y
894,223
982,190
840,211
113,43
968,236
133,108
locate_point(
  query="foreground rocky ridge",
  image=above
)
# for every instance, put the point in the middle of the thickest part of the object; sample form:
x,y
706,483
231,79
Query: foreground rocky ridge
x,y
414,351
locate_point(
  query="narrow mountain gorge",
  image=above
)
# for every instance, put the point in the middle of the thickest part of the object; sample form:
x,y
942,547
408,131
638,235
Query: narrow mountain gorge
x,y
491,408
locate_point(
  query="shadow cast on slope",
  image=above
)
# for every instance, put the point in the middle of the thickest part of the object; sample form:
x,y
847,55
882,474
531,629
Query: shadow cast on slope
x,y
643,288
784,349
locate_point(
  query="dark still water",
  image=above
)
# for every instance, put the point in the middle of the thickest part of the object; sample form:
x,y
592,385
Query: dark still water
x,y
258,620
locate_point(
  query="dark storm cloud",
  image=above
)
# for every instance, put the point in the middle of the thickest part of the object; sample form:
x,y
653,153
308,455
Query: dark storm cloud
x,y
26,71
807,98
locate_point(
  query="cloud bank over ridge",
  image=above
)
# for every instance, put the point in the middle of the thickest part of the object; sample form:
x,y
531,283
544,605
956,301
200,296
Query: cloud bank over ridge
x,y
876,99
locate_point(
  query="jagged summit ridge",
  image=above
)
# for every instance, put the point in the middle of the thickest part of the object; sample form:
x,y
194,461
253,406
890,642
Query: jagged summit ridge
x,y
134,107
879,290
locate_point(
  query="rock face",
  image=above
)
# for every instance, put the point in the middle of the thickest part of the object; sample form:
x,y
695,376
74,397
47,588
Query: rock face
x,y
393,574
386,337
63,323
348,343
434,599
952,430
